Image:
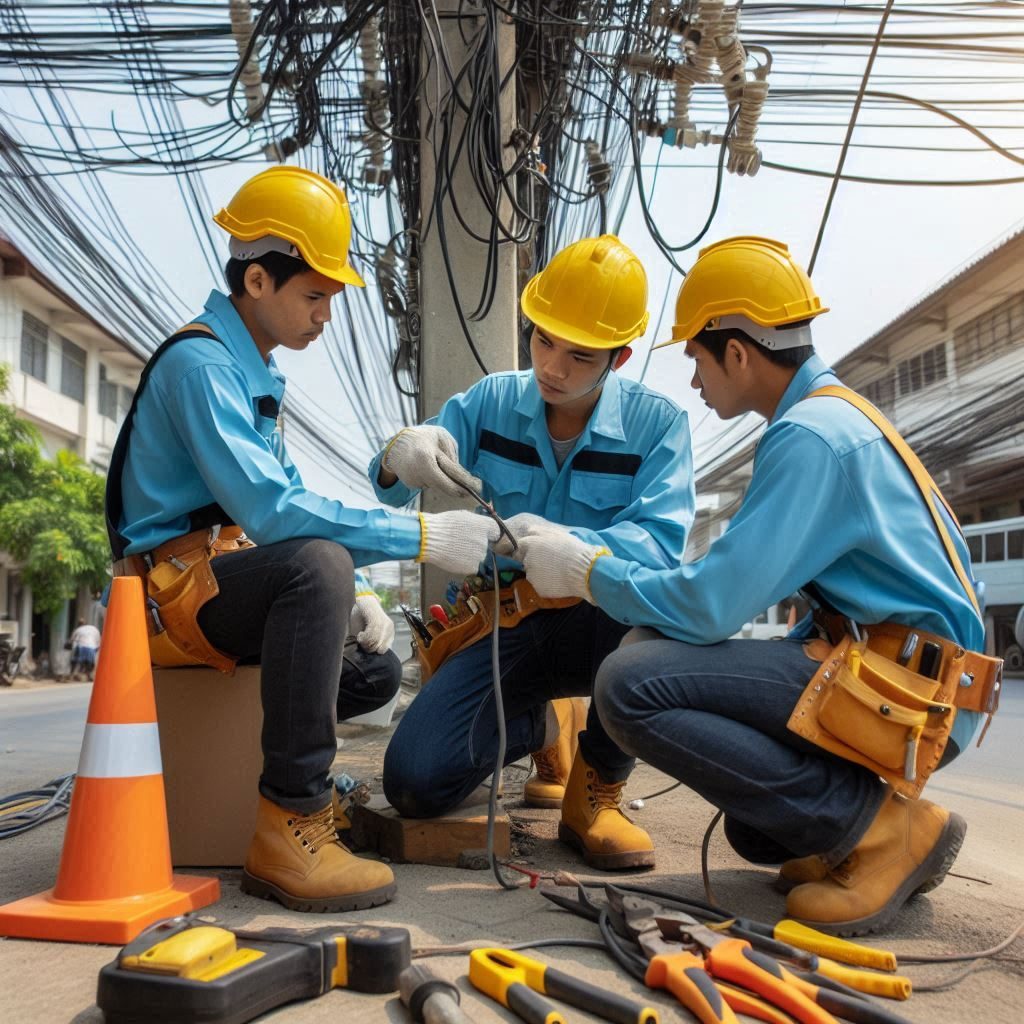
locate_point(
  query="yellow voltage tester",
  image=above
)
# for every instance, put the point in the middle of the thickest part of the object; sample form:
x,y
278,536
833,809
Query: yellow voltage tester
x,y
181,971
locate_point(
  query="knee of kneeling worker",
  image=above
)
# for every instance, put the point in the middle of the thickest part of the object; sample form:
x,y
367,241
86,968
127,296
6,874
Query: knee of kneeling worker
x,y
414,794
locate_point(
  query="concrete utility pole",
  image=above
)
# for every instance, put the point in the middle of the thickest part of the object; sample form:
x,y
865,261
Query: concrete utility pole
x,y
447,365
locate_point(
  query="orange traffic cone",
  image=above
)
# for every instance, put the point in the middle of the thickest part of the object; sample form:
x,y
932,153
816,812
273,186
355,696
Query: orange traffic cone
x,y
115,871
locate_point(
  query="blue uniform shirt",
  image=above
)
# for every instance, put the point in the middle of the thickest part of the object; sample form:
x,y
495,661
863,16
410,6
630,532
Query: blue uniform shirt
x,y
199,437
627,484
829,501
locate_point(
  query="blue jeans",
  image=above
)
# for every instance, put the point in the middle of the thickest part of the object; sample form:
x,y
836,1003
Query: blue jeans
x,y
447,741
715,718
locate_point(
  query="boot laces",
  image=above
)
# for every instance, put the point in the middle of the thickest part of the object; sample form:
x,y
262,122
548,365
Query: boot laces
x,y
314,830
546,762
604,794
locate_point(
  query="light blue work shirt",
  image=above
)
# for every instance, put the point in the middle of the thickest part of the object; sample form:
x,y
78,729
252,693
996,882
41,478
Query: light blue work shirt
x,y
627,484
199,438
829,502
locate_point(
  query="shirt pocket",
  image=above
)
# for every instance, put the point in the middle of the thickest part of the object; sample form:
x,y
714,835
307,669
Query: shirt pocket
x,y
502,476
601,490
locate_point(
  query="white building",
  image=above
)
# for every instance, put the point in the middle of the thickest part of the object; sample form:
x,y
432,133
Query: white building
x,y
74,381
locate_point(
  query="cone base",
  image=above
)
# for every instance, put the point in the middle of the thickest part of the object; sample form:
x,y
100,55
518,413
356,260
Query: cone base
x,y
111,922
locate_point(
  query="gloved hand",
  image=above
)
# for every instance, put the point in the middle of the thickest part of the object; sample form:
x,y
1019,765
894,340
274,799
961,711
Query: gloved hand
x,y
558,563
372,626
456,541
520,526
428,457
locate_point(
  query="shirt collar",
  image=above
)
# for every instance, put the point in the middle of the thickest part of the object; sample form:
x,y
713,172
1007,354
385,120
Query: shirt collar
x,y
262,378
606,419
812,375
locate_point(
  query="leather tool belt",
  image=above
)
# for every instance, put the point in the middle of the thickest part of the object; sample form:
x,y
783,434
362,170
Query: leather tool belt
x,y
474,620
864,705
872,701
178,580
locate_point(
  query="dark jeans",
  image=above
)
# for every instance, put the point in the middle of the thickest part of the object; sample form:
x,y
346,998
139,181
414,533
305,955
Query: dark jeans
x,y
287,606
447,741
368,680
715,718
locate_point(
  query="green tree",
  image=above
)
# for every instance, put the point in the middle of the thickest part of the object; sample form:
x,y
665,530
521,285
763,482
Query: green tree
x,y
19,449
51,514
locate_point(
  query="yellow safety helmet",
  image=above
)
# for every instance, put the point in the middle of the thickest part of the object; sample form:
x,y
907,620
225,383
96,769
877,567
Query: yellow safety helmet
x,y
747,277
286,207
593,294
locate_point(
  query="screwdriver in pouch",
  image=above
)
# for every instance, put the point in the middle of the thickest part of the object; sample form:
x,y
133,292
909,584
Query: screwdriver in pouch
x,y
931,659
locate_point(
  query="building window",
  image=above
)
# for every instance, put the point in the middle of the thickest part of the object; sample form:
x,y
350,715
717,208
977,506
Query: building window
x,y
995,547
923,370
33,346
107,396
990,334
881,392
975,547
72,370
1015,544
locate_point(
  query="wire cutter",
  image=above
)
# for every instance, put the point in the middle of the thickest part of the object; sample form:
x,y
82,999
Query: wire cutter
x,y
734,961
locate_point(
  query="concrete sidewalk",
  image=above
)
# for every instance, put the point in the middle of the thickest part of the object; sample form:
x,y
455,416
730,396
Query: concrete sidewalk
x,y
50,983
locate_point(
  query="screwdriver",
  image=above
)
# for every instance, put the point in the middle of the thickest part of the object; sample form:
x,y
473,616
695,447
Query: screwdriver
x,y
430,999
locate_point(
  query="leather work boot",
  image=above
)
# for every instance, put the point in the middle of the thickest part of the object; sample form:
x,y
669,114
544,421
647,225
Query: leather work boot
x,y
593,823
297,860
907,849
798,871
554,762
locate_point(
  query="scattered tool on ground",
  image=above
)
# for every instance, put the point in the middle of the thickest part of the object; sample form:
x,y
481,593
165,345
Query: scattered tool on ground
x,y
735,961
430,999
503,974
628,921
181,970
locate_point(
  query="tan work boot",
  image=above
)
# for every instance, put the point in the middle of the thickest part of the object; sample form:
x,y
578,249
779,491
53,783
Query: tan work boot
x,y
554,762
593,823
297,860
799,871
907,849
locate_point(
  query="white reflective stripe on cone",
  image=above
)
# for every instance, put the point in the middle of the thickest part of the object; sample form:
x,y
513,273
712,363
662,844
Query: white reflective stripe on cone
x,y
120,751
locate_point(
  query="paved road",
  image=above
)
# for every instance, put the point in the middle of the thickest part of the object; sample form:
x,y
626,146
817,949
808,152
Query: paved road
x,y
41,732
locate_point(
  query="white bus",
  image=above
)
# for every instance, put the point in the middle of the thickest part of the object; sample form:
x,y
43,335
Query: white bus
x,y
997,557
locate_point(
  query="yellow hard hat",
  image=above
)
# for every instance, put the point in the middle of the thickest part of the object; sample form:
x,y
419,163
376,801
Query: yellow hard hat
x,y
299,207
745,276
593,294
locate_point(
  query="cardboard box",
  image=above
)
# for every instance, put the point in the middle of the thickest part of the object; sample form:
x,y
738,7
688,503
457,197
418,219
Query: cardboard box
x,y
210,728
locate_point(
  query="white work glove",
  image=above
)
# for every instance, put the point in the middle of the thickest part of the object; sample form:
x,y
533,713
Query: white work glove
x,y
557,563
372,626
520,526
428,457
456,541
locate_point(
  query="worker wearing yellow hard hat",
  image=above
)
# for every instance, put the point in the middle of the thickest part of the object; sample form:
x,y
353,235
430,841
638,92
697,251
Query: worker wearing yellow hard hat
x,y
239,558
815,747
569,440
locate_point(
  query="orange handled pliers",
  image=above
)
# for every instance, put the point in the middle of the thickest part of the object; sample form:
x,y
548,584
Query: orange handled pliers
x,y
732,960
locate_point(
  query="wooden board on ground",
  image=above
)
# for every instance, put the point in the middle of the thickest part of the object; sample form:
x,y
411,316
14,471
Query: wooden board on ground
x,y
446,841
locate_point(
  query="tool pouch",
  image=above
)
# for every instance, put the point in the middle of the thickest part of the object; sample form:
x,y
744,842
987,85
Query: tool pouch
x,y
180,581
474,619
865,707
